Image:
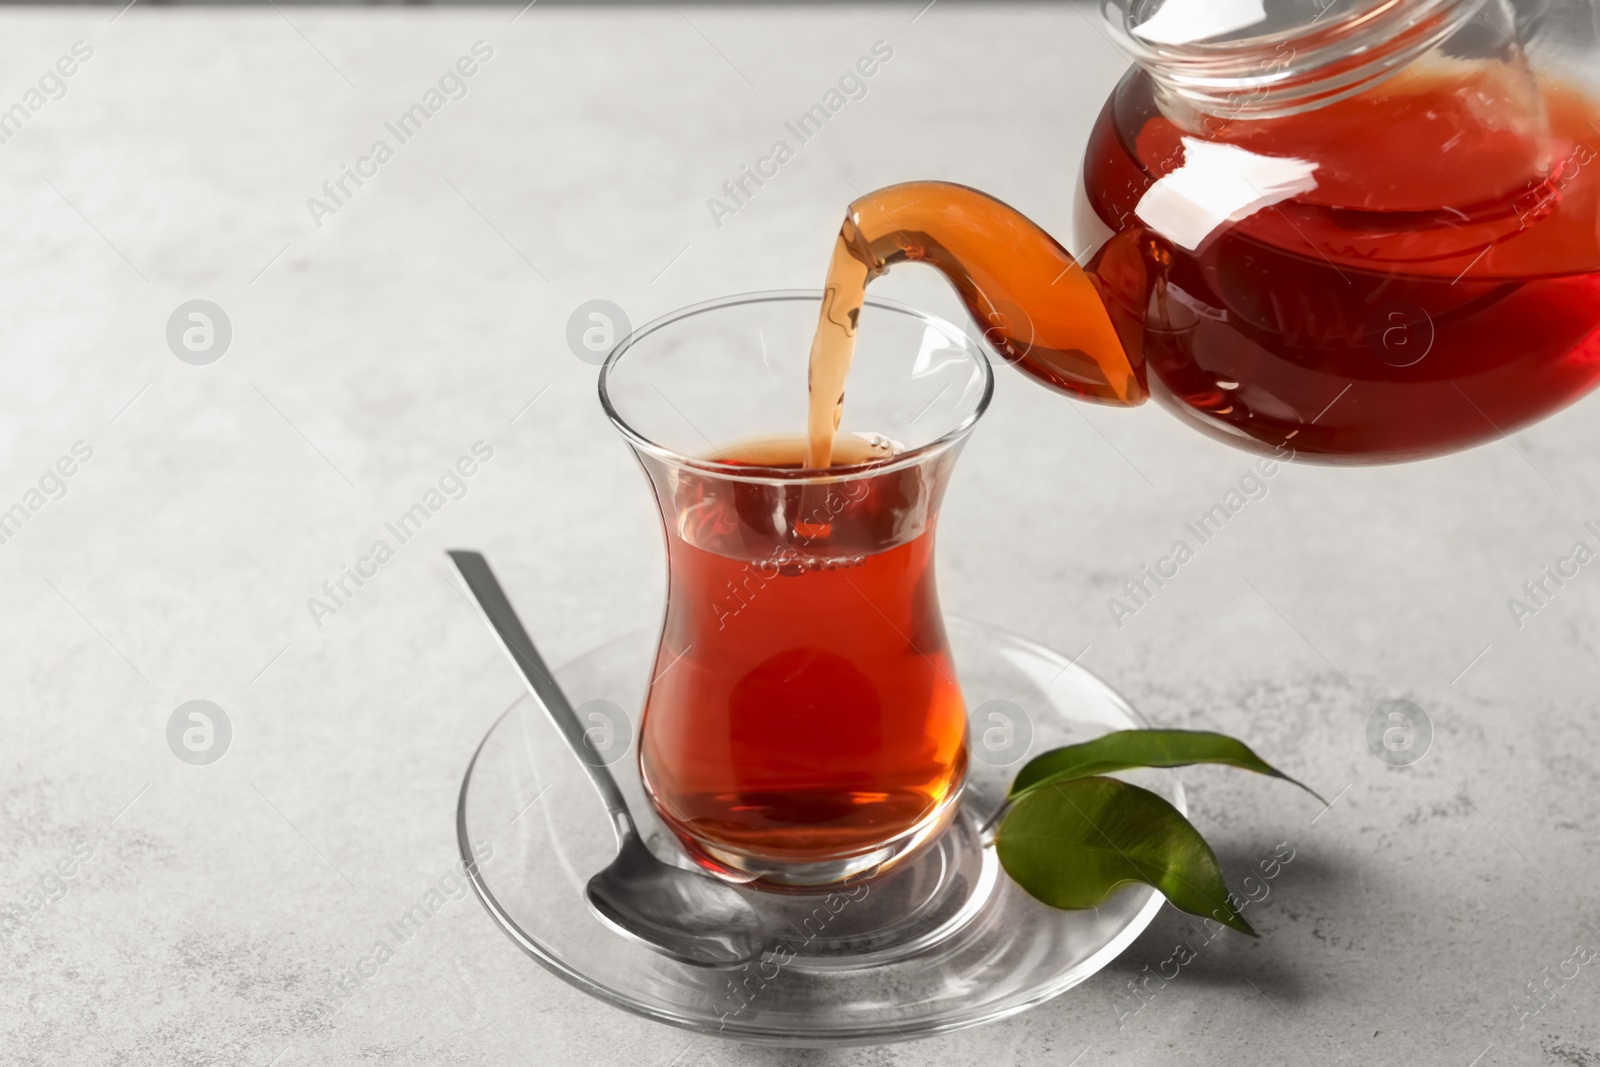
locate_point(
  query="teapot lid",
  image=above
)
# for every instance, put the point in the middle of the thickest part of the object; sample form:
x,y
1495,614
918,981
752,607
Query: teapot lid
x,y
1229,23
1268,57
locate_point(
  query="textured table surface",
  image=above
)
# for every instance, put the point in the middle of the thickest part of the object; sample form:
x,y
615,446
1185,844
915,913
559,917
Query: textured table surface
x,y
211,910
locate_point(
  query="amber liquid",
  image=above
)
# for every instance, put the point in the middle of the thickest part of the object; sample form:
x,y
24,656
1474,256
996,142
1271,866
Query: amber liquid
x,y
1439,288
832,350
1000,264
804,706
1444,305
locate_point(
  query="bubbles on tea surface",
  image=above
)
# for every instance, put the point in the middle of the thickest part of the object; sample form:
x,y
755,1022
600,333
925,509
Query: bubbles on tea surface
x,y
879,446
793,566
857,449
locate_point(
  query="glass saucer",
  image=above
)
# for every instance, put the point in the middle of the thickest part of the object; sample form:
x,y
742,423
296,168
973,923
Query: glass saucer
x,y
942,942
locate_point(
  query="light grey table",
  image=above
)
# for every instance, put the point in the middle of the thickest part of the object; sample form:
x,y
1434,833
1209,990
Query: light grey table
x,y
219,905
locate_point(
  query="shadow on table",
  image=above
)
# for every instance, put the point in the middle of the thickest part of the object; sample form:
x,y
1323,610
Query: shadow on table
x,y
1179,950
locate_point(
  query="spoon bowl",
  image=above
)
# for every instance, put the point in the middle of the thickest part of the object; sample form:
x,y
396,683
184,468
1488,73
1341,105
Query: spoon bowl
x,y
690,917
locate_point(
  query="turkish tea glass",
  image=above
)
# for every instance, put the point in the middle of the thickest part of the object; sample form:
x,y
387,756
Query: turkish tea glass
x,y
803,723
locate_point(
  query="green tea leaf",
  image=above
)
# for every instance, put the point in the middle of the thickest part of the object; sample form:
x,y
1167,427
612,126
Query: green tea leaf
x,y
1072,844
1127,749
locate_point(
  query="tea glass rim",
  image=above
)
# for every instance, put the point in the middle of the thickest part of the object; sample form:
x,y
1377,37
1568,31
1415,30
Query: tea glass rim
x,y
788,475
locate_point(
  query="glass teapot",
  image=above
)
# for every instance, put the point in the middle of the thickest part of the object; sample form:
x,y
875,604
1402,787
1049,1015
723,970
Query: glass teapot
x,y
1363,230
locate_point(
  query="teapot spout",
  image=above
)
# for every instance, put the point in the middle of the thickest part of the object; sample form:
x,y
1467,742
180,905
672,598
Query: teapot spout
x,y
1037,306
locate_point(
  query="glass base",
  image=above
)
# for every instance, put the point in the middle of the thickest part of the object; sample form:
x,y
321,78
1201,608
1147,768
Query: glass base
x,y
889,916
940,942
782,875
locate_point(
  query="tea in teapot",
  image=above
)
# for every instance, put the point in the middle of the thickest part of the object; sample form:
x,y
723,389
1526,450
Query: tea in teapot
x,y
1371,235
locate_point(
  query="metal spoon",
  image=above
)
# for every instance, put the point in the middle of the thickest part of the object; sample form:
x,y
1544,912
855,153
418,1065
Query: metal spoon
x,y
691,917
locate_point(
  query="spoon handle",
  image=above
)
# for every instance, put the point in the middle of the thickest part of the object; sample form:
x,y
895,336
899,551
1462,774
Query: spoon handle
x,y
502,619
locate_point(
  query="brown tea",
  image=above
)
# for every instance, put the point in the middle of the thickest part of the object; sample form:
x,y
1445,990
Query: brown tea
x,y
804,706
